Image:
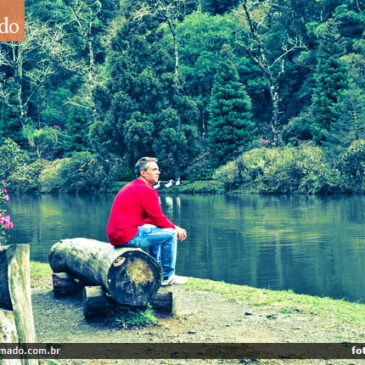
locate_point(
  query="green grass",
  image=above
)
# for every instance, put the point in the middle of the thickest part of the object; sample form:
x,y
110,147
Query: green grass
x,y
131,319
285,301
39,270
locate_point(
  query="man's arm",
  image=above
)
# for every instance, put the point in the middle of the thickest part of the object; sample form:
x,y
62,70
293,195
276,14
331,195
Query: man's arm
x,y
152,209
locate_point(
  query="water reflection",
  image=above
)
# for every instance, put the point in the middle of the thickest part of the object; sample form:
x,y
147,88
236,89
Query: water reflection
x,y
309,244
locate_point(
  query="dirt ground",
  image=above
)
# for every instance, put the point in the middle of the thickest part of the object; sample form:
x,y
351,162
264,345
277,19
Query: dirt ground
x,y
201,317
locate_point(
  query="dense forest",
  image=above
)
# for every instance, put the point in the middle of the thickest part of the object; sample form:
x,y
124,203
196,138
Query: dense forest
x,y
266,95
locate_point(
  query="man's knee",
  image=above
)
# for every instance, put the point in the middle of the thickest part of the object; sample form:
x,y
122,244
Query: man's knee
x,y
170,232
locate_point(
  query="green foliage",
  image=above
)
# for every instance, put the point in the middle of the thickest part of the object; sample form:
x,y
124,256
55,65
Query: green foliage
x,y
50,179
99,77
230,125
281,170
352,166
200,168
132,319
26,177
82,172
147,115
201,37
201,187
12,157
44,141
350,122
330,78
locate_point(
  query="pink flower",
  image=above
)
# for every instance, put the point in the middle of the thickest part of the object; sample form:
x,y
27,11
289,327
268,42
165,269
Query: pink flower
x,y
4,191
6,197
7,218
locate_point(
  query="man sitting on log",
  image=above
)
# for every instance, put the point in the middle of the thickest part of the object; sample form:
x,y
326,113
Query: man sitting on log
x,y
137,220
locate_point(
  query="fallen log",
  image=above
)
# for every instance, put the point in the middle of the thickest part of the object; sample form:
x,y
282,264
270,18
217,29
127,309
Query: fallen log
x,y
130,275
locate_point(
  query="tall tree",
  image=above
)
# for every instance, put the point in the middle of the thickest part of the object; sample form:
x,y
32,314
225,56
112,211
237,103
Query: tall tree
x,y
146,106
27,66
330,81
170,13
230,125
270,44
201,37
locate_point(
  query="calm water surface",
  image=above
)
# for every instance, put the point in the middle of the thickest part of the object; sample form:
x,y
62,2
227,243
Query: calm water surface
x,y
311,245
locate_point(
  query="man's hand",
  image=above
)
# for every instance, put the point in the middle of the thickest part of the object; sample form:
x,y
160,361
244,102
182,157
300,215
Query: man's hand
x,y
181,233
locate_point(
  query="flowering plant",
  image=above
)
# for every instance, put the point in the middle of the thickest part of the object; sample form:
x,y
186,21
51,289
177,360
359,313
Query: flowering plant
x,y
5,220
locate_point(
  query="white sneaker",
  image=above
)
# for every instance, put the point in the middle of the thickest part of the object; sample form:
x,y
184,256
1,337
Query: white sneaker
x,y
174,279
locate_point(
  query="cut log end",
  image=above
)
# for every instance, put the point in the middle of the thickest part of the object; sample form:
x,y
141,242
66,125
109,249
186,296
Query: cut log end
x,y
134,280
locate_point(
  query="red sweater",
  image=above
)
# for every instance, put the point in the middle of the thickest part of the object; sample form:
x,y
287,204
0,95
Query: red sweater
x,y
136,204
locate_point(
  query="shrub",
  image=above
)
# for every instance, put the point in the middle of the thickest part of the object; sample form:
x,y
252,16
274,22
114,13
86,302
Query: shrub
x,y
318,175
50,179
352,166
228,175
200,168
80,173
281,170
11,157
26,177
119,169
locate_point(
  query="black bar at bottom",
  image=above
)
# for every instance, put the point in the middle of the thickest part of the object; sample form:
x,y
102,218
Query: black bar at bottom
x,y
183,350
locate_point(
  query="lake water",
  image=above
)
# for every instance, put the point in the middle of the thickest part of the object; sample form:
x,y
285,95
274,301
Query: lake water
x,y
312,245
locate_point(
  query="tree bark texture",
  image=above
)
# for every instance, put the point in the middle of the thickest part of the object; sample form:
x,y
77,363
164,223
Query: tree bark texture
x,y
16,315
129,275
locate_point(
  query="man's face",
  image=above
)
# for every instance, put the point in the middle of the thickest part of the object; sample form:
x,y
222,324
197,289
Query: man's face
x,y
152,173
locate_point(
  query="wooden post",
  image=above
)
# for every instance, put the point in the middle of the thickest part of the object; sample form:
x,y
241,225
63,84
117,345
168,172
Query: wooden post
x,y
163,302
16,315
95,301
130,275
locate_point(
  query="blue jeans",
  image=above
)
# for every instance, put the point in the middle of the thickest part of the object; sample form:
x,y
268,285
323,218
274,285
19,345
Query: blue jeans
x,y
161,244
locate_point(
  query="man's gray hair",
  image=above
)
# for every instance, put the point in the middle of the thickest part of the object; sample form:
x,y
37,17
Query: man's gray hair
x,y
141,164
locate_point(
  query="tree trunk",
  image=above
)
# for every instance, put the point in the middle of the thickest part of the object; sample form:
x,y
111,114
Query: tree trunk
x,y
16,315
91,73
129,275
8,334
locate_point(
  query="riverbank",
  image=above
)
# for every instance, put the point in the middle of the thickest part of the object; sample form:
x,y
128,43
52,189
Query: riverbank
x,y
207,311
187,187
